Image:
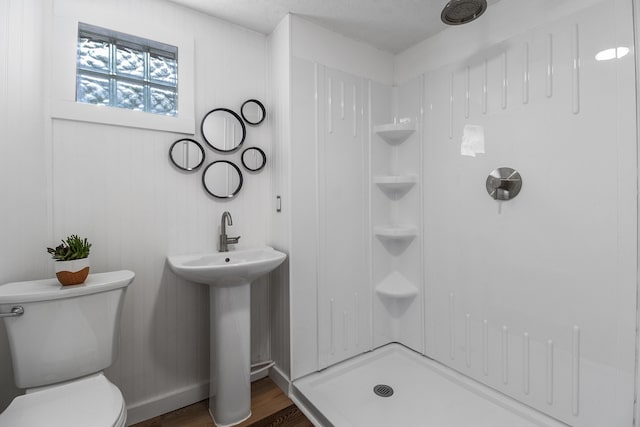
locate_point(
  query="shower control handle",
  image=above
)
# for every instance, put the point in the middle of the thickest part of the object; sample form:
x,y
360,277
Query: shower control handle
x,y
503,184
494,182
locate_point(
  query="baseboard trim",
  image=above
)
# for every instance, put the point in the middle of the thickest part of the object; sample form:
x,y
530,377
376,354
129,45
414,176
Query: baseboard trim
x,y
189,395
280,379
259,375
167,402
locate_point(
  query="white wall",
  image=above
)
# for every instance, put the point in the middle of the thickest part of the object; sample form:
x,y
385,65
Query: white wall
x,y
501,21
304,220
343,225
136,208
24,164
316,44
330,144
116,186
535,297
279,70
396,262
330,292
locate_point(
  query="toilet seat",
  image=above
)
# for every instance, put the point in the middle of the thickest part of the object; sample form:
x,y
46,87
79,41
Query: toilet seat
x,y
90,401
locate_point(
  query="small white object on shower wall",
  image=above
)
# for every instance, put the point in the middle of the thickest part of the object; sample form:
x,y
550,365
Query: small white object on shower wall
x,y
472,140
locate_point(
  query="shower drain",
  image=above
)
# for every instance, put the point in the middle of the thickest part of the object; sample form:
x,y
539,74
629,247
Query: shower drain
x,y
383,390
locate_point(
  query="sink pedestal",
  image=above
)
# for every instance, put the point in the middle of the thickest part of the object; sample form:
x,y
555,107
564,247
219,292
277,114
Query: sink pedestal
x,y
229,276
230,389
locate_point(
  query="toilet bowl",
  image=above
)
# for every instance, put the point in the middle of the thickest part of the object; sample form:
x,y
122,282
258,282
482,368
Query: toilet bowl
x,y
61,339
92,401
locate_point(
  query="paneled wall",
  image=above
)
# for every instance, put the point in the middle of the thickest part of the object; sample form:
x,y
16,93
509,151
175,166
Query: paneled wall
x,y
331,224
24,164
325,84
304,220
536,296
330,295
343,173
116,186
396,266
279,73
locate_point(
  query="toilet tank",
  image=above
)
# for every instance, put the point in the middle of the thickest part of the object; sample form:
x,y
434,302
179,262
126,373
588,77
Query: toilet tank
x,y
65,332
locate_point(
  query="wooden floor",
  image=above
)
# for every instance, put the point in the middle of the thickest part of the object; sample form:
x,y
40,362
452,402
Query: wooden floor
x,y
269,407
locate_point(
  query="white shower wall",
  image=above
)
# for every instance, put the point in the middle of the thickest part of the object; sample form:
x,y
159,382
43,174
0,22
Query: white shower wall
x,y
333,80
396,263
536,297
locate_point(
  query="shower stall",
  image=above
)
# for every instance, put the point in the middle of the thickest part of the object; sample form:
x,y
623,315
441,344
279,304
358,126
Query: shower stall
x,y
413,266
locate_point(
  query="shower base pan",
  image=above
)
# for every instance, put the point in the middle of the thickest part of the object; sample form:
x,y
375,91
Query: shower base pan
x,y
424,393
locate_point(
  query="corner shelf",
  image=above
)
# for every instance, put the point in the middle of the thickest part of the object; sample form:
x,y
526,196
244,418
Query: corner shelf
x,y
395,183
395,133
395,232
396,286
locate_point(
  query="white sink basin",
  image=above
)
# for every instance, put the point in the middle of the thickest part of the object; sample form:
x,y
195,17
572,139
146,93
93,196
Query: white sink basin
x,y
225,269
229,276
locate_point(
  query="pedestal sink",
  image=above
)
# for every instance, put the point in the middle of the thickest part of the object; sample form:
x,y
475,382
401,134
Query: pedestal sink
x,y
229,276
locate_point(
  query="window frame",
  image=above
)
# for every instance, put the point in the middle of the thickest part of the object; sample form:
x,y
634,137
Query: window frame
x,y
149,49
63,45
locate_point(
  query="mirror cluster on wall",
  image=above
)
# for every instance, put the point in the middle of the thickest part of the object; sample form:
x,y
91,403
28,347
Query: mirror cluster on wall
x,y
224,131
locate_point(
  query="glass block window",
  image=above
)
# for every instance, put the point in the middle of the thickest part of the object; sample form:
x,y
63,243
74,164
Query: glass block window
x,y
124,71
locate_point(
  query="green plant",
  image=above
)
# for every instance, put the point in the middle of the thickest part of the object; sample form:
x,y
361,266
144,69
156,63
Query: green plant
x,y
71,248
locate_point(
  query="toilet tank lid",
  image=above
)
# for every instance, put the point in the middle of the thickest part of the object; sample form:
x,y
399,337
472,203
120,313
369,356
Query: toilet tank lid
x,y
51,289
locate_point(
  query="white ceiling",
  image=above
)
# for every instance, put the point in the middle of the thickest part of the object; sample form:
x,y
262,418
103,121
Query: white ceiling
x,y
392,25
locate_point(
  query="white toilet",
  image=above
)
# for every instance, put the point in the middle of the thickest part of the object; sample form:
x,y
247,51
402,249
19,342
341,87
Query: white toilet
x,y
60,343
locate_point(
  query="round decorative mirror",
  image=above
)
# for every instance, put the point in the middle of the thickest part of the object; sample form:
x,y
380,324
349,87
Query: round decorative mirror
x,y
223,130
253,159
253,112
222,179
186,154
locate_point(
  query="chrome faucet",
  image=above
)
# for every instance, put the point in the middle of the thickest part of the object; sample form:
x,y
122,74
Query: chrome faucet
x,y
224,240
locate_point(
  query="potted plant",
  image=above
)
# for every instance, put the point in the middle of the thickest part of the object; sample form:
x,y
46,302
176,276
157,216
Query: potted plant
x,y
72,260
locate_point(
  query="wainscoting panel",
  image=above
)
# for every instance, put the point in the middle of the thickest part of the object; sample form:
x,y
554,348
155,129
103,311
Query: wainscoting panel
x,y
116,186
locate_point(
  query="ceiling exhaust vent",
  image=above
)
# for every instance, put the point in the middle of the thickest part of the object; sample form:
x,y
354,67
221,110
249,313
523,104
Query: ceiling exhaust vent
x,y
458,12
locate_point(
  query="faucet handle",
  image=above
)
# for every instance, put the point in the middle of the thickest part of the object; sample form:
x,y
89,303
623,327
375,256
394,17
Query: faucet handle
x,y
233,240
